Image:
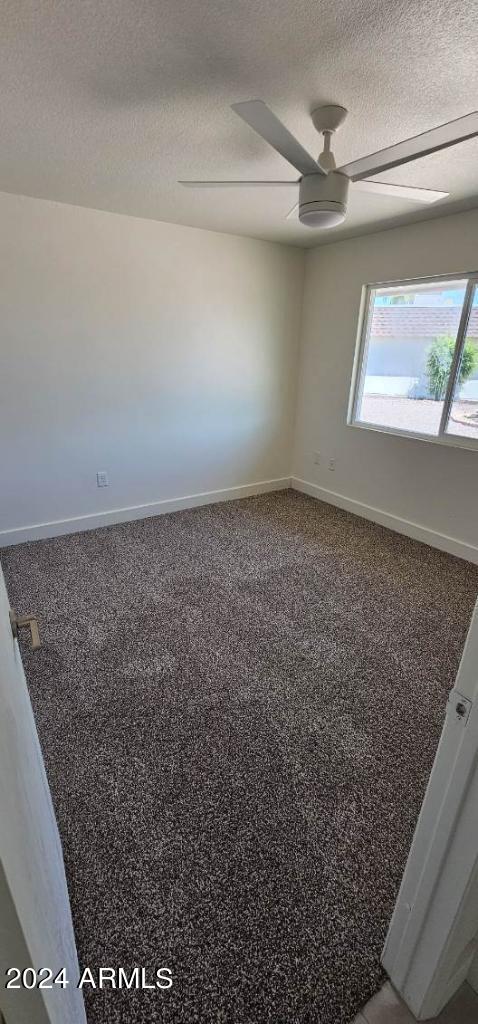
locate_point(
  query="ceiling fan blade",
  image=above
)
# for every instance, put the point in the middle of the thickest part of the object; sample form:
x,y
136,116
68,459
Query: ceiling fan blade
x,y
258,116
292,212
411,149
416,195
238,184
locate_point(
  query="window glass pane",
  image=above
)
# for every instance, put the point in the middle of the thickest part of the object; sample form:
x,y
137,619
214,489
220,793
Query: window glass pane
x,y
410,340
463,419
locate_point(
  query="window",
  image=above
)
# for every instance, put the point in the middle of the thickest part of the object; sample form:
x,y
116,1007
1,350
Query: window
x,y
417,367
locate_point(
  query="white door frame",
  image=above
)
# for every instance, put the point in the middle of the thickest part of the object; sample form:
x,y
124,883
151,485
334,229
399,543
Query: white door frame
x,y
36,929
432,937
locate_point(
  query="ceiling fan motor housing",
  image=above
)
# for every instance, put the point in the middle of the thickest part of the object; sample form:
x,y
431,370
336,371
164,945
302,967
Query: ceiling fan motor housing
x,y
323,199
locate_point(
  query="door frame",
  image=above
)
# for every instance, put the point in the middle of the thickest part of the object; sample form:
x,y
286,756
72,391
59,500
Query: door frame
x,y
432,938
36,929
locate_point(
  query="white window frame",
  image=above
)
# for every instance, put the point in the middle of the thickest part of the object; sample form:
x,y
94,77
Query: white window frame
x,y
358,374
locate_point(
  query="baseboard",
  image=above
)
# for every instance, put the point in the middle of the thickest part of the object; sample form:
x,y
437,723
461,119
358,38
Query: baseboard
x,y
415,530
93,520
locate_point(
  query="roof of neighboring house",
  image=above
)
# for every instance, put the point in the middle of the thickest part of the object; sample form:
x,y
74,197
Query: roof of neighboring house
x,y
419,321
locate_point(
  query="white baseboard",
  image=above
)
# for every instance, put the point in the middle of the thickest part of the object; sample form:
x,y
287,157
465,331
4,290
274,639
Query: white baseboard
x,y
93,520
423,533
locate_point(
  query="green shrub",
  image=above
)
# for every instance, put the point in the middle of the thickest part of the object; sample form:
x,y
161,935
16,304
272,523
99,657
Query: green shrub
x,y
439,360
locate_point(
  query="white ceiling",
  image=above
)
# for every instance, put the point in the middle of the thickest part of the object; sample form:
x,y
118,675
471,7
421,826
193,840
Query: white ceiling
x,y
106,103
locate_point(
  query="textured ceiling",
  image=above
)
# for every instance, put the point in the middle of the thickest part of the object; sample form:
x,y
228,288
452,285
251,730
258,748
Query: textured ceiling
x,y
106,103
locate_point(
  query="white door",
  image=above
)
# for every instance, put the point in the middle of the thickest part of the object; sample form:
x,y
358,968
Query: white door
x,y
36,930
433,935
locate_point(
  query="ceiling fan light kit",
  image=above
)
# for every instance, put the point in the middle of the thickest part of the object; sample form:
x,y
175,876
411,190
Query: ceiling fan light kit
x,y
323,199
323,189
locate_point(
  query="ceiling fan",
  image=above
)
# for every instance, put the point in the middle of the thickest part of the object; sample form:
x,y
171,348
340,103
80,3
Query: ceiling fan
x,y
323,188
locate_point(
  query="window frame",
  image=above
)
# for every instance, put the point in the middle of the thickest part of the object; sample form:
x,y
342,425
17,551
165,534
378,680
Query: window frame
x,y
358,372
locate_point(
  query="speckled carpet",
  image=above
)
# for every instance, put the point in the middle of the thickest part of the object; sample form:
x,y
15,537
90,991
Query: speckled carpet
x,y
239,707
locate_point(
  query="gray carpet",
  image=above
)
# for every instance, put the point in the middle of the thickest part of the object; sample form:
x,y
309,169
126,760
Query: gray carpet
x,y
239,707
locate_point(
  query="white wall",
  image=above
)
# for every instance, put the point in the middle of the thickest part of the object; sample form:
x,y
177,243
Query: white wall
x,y
163,354
428,484
167,356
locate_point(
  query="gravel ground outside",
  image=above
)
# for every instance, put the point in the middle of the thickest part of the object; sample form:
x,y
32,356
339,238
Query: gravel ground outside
x,y
419,415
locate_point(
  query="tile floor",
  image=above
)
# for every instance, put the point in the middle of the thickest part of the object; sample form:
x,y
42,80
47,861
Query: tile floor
x,y
387,1008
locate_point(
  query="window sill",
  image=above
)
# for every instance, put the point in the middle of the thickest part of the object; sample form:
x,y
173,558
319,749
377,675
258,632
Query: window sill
x,y
446,440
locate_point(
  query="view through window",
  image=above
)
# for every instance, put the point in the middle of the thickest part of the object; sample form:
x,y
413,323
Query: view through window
x,y
418,369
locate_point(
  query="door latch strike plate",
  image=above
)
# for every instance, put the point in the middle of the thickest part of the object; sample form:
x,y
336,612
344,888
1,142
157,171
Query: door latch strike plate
x,y
460,705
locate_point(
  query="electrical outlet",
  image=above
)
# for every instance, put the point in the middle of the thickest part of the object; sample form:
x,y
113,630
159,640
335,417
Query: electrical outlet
x,y
317,458
332,464
102,478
